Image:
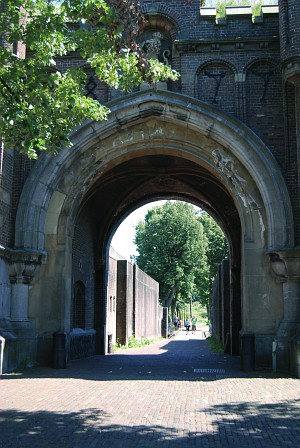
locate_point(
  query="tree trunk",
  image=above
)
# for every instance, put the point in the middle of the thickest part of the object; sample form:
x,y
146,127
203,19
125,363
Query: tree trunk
x,y
169,297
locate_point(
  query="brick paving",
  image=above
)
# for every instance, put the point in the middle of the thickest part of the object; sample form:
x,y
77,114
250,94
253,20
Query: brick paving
x,y
174,393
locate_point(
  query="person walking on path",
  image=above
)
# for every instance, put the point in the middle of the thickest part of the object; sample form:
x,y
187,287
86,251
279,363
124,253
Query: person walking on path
x,y
194,324
187,325
175,321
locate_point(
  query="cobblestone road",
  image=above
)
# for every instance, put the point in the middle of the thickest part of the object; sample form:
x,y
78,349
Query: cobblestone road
x,y
174,393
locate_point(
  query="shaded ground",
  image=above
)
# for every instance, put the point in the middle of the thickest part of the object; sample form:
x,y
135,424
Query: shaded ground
x,y
170,394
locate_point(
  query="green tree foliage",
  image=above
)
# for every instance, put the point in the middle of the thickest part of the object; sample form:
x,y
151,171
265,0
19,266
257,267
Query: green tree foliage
x,y
39,104
181,249
172,250
217,246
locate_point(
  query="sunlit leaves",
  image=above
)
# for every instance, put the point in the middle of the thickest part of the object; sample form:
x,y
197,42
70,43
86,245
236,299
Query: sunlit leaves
x,y
43,108
216,251
181,248
39,105
171,247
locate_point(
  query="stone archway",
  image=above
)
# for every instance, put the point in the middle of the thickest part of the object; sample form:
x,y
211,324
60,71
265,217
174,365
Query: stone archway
x,y
157,143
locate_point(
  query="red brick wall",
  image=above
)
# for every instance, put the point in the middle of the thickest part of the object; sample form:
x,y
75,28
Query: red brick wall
x,y
6,189
237,47
83,265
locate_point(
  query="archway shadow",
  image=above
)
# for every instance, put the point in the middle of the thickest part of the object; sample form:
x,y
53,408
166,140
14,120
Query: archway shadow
x,y
243,424
181,358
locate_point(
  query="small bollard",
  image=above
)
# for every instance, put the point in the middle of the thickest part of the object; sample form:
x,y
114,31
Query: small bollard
x,y
247,352
2,344
110,346
59,350
227,344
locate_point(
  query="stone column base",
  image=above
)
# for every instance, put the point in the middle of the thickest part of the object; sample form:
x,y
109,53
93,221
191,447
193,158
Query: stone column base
x,y
285,335
19,345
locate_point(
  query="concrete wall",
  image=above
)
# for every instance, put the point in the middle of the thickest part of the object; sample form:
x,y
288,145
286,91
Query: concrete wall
x,y
111,306
125,301
146,316
138,311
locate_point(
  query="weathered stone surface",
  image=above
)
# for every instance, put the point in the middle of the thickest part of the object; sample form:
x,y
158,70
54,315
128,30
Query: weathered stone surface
x,y
226,137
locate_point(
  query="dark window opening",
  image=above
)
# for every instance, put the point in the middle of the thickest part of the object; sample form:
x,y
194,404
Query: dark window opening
x,y
79,305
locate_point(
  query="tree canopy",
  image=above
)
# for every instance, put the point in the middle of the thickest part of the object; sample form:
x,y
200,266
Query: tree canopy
x,y
217,246
171,247
181,249
216,251
40,104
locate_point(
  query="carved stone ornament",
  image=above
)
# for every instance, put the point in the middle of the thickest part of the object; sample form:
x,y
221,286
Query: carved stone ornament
x,y
291,71
152,46
286,265
156,46
22,263
226,166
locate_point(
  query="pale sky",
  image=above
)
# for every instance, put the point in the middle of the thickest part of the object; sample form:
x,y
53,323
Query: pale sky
x,y
122,239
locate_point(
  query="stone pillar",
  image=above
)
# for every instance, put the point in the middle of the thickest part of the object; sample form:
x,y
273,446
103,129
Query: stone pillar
x,y
22,267
286,266
100,306
2,344
21,274
18,330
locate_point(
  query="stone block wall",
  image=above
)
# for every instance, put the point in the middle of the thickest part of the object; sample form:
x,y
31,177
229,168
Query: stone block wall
x,y
222,323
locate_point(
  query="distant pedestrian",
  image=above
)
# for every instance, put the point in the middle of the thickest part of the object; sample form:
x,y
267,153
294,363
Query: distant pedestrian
x,y
194,324
187,325
175,321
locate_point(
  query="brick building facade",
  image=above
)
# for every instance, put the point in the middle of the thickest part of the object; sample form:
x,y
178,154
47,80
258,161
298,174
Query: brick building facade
x,y
225,137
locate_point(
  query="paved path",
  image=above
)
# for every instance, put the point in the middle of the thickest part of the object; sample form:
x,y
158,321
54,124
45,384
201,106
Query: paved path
x,y
174,393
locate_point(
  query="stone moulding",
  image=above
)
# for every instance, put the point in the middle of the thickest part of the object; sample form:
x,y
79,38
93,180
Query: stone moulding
x,y
209,12
209,45
291,70
24,256
237,12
